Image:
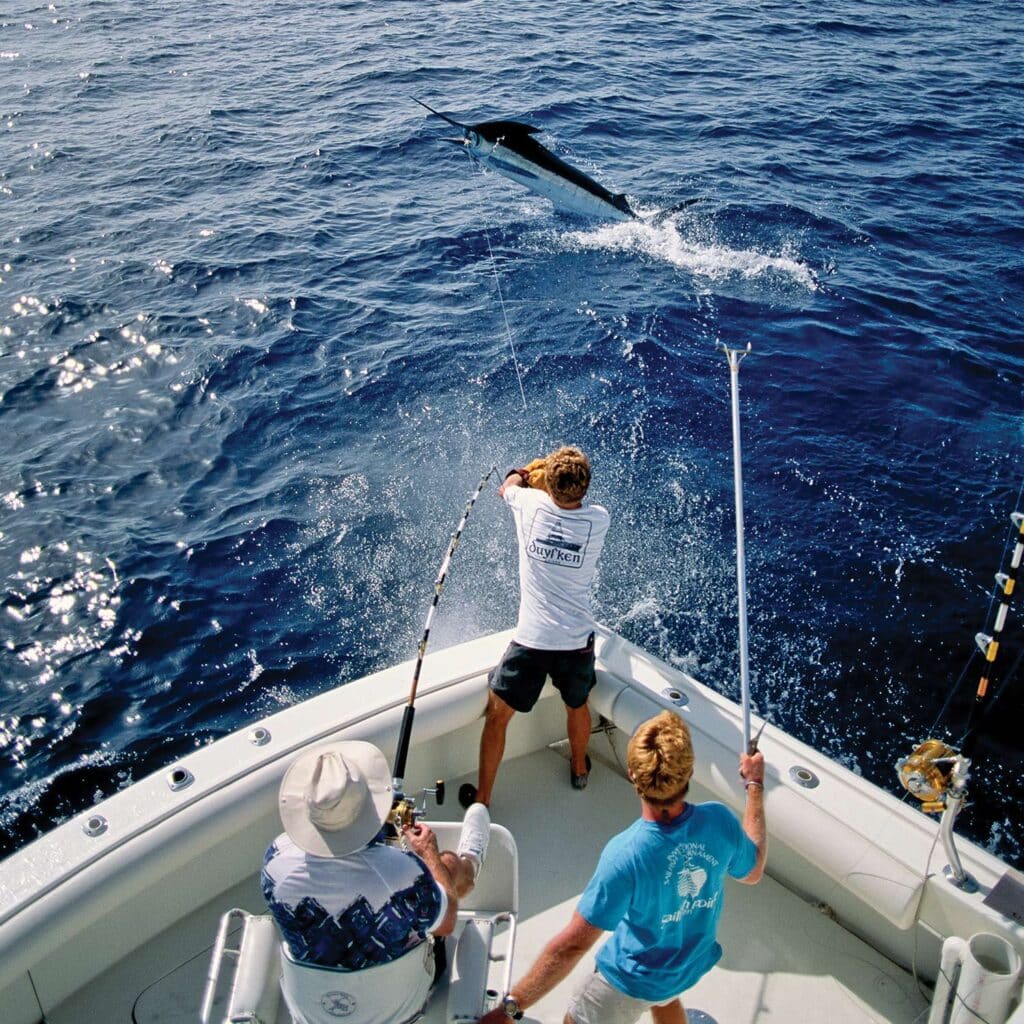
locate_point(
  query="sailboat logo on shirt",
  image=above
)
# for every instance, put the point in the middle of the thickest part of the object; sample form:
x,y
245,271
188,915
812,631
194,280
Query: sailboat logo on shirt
x,y
557,540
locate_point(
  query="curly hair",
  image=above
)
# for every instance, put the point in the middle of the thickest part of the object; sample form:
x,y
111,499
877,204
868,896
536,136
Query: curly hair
x,y
568,474
660,759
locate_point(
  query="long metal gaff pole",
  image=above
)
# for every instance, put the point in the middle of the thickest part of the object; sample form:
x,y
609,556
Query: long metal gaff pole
x,y
736,356
405,733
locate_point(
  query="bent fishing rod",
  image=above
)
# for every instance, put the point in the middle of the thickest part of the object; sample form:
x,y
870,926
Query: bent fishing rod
x,y
401,805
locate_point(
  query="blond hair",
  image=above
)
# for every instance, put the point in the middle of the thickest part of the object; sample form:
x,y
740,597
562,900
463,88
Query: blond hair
x,y
567,472
660,759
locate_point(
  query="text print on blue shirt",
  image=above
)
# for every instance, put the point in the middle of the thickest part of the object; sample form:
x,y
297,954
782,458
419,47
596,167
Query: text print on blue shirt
x,y
689,877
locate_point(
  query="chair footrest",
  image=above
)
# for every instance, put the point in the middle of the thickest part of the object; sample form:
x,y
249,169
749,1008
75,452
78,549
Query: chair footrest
x,y
467,987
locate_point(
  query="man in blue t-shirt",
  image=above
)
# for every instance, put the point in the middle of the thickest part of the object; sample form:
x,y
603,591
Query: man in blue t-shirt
x,y
658,889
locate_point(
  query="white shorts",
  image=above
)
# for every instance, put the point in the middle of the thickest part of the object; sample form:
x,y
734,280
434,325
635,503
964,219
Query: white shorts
x,y
597,1002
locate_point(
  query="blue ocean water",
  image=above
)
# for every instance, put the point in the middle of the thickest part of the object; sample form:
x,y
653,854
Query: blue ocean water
x,y
253,360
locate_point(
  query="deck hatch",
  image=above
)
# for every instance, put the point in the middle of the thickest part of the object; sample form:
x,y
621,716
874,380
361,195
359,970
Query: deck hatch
x,y
1007,896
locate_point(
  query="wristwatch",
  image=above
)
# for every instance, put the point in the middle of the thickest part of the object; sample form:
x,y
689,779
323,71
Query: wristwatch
x,y
511,1007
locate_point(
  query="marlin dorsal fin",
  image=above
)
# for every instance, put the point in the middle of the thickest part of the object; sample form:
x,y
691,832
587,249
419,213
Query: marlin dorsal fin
x,y
505,129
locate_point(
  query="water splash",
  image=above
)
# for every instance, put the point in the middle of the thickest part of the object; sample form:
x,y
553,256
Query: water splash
x,y
703,257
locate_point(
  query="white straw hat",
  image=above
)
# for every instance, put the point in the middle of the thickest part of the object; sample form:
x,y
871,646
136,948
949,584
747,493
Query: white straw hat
x,y
334,799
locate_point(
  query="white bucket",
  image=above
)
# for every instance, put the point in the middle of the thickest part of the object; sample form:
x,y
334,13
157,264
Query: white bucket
x,y
977,981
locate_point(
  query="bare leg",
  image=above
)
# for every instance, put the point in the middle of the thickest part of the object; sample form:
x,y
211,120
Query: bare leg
x,y
462,872
578,728
670,1013
492,746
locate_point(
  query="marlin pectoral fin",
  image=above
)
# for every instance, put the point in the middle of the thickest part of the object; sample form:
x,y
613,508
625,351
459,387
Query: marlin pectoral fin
x,y
437,113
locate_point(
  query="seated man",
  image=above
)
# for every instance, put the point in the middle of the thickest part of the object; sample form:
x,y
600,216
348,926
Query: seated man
x,y
346,900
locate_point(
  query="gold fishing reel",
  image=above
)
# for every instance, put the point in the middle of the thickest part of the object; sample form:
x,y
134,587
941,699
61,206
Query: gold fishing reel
x,y
927,773
401,815
404,813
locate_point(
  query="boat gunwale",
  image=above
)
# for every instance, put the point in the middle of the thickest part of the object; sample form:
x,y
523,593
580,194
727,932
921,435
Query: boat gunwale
x,y
185,799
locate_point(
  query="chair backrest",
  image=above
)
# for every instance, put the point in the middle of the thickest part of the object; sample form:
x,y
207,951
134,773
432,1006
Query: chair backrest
x,y
497,885
315,995
385,994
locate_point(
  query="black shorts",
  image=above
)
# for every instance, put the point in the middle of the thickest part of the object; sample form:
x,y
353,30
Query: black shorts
x,y
520,675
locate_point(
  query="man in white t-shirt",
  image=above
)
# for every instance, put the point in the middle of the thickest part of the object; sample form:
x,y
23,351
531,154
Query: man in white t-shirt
x,y
560,539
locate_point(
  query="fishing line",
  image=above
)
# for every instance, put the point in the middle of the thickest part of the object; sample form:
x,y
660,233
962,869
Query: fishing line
x,y
165,976
508,329
501,299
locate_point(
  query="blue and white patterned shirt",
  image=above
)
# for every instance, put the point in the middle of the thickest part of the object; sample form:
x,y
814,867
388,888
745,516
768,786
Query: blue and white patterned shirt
x,y
351,912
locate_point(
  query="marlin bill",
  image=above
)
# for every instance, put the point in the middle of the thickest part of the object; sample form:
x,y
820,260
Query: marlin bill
x,y
509,147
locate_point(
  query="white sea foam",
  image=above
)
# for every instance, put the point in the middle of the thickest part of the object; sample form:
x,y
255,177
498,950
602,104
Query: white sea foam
x,y
704,257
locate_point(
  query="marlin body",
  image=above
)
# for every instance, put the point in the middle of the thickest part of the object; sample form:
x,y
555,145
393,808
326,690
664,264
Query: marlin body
x,y
509,147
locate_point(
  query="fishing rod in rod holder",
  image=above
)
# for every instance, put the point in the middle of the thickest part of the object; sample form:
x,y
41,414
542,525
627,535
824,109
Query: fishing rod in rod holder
x,y
403,810
735,356
936,773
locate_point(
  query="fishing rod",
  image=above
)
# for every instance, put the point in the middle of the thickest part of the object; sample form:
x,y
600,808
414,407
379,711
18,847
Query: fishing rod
x,y
988,644
735,356
402,808
937,773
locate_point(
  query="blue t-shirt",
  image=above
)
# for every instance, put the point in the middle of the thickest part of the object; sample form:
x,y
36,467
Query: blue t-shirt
x,y
659,889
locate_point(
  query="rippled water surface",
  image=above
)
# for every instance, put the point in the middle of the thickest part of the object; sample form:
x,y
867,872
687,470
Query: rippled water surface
x,y
252,359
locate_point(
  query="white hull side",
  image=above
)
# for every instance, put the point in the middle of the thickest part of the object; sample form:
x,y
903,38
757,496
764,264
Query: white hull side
x,y
72,906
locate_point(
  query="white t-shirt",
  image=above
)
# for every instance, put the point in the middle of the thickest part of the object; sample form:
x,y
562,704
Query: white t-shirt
x,y
558,552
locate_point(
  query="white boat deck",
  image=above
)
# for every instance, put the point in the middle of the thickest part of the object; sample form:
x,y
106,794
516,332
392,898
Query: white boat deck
x,y
784,961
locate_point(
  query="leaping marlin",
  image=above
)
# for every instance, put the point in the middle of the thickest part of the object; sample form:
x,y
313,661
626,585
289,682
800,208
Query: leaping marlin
x,y
510,148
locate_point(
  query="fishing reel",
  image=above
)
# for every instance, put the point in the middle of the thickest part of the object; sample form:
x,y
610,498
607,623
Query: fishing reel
x,y
930,772
404,813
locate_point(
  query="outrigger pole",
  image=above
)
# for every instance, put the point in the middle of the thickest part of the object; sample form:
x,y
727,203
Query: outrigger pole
x,y
405,734
735,356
